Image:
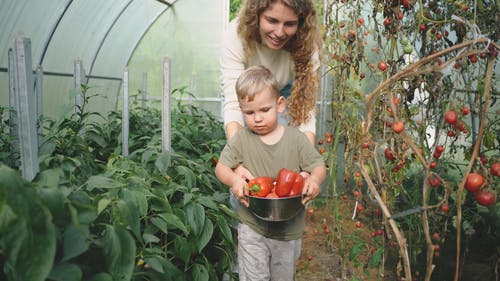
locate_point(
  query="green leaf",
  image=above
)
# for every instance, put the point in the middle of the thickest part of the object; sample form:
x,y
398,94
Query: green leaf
x,y
54,199
75,241
155,263
119,250
150,238
162,163
195,217
355,251
49,178
132,212
161,224
376,258
102,205
174,221
102,182
27,234
224,228
208,202
182,249
146,156
101,277
206,235
188,174
200,272
66,272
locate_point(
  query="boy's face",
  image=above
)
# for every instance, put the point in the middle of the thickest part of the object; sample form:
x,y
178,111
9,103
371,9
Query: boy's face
x,y
261,114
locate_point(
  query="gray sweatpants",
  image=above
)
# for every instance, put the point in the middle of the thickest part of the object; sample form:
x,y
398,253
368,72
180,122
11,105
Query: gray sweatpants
x,y
265,259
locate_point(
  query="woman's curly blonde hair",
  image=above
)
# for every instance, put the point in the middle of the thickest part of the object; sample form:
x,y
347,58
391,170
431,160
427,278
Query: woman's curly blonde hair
x,y
301,46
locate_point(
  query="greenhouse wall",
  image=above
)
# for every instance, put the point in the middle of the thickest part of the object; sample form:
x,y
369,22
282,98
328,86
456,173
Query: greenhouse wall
x,y
112,36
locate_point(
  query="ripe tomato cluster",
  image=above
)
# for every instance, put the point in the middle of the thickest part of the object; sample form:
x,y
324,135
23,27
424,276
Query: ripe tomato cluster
x,y
477,184
452,118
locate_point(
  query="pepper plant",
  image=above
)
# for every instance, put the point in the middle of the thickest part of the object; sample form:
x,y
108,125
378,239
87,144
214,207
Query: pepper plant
x,y
92,214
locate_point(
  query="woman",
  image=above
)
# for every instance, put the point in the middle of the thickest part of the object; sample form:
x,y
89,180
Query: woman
x,y
282,35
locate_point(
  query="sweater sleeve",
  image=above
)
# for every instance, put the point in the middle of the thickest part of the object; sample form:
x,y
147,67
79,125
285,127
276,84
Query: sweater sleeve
x,y
232,64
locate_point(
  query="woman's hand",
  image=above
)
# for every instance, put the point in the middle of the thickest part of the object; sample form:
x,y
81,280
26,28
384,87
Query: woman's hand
x,y
232,128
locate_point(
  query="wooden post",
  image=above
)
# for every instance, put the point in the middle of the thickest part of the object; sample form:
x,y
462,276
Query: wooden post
x,y
125,114
13,102
165,101
78,78
26,108
39,96
144,92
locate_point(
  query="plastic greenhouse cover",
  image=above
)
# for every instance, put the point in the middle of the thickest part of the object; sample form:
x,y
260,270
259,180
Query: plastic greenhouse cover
x,y
108,36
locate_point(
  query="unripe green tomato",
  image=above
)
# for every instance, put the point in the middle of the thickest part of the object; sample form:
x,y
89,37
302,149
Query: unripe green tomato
x,y
404,41
408,49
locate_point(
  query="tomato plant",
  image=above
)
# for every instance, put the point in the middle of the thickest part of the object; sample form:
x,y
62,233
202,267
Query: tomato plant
x,y
435,68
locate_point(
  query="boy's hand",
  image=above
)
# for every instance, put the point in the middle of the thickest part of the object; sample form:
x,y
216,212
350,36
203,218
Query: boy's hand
x,y
311,189
240,190
243,172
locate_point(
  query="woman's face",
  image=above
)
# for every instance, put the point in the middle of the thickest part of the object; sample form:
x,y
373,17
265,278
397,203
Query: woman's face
x,y
277,25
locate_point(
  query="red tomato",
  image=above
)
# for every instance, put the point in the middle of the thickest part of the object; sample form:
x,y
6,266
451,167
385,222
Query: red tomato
x,y
433,181
465,110
451,117
485,197
432,165
387,22
444,208
495,169
358,224
382,66
435,236
474,182
398,127
439,149
460,125
388,154
472,58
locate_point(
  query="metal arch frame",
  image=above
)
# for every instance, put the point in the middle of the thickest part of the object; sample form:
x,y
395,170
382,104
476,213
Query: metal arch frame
x,y
53,29
169,5
103,39
62,13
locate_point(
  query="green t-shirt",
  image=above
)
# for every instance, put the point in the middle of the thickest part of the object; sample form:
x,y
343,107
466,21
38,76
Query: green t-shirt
x,y
293,151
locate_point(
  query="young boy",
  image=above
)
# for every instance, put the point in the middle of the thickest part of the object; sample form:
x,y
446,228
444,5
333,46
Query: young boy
x,y
267,250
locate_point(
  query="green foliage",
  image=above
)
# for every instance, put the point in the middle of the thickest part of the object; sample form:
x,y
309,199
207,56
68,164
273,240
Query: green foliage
x,y
92,214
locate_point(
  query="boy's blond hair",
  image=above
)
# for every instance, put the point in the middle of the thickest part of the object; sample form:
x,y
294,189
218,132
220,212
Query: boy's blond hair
x,y
253,80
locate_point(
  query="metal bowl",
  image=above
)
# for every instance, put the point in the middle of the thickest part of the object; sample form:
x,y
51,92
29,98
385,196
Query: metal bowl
x,y
276,209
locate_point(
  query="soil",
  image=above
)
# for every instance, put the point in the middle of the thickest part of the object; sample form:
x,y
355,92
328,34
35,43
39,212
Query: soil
x,y
332,239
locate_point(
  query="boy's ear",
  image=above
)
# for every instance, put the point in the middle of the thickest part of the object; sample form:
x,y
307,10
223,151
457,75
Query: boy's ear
x,y
281,104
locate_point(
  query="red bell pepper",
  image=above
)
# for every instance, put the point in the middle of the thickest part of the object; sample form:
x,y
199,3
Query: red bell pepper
x,y
260,186
289,183
297,186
